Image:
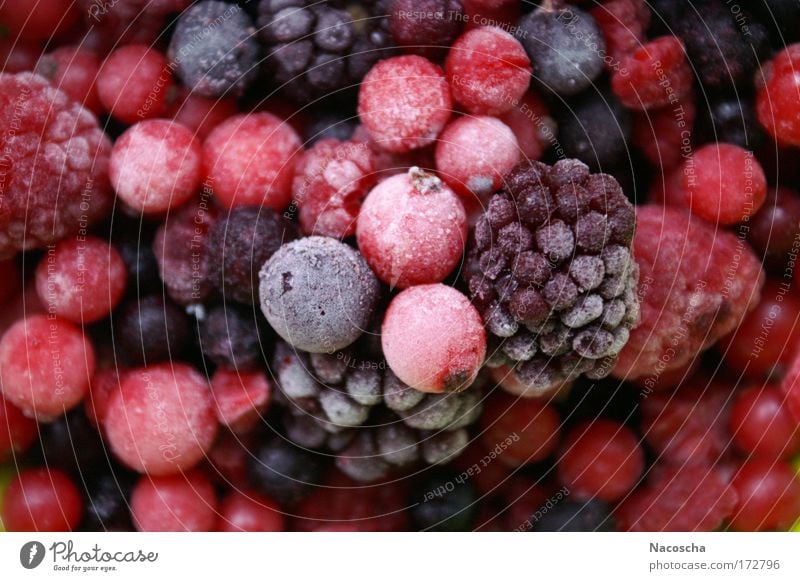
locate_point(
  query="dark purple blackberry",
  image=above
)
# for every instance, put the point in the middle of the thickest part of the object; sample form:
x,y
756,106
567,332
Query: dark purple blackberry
x,y
551,270
238,246
230,337
574,517
284,471
444,502
317,48
149,330
107,507
426,27
215,50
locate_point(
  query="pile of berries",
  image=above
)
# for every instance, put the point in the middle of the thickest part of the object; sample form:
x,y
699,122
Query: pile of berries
x,y
338,266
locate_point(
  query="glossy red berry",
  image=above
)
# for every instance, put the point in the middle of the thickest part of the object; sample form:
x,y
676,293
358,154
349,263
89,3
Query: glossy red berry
x,y
769,496
42,500
778,100
243,511
762,425
17,431
178,503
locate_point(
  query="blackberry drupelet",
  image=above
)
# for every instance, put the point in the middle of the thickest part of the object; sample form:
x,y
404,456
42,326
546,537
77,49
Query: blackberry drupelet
x,y
551,270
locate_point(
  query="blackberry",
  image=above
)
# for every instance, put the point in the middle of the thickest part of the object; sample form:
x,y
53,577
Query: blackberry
x,y
444,502
230,337
150,329
551,270
576,517
215,49
317,48
284,471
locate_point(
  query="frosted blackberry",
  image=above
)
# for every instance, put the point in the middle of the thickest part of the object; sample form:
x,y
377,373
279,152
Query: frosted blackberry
x,y
215,50
316,48
230,337
550,268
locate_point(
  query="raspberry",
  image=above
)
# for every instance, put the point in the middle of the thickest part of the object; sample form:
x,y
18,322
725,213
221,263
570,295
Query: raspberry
x,y
683,498
229,337
53,175
73,70
201,115
330,182
624,25
769,496
665,134
488,71
778,100
655,75
762,425
318,294
433,339
81,279
156,165
17,431
404,103
161,419
697,283
240,398
284,471
551,271
177,503
426,27
134,82
532,125
250,513
45,366
477,170
150,329
724,183
453,511
35,22
42,500
239,244
215,49
775,227
250,160
412,229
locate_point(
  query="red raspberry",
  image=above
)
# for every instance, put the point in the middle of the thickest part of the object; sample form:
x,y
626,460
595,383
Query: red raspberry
x,y
476,170
665,134
762,425
134,82
769,496
53,165
45,366
778,100
331,181
696,283
17,431
654,75
412,229
682,498
201,115
404,103
488,71
177,503
724,183
10,282
240,397
250,161
624,24
41,500
532,125
156,165
73,70
38,20
248,512
433,338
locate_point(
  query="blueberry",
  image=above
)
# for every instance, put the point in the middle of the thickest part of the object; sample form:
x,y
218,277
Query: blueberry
x,y
284,471
151,329
442,504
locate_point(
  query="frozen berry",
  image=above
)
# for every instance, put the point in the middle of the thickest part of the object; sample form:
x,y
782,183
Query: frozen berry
x,y
156,165
624,24
762,425
412,229
17,431
284,471
775,229
433,338
532,125
42,500
17,56
426,27
240,398
101,388
45,366
318,294
575,517
179,503
107,507
474,153
10,280
404,103
724,183
53,176
124,22
488,71
73,444
200,115
161,420
243,511
665,134
731,120
151,329
444,504
250,161
133,83
73,70
81,279
778,101
229,337
769,496
35,22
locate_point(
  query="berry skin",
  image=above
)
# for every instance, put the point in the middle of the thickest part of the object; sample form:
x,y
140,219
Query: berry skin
x,y
769,496
536,424
107,507
476,170
488,71
230,337
426,27
778,100
724,183
601,459
284,471
249,513
404,103
34,22
241,398
177,503
654,75
17,432
318,294
41,500
732,120
72,178
250,161
624,24
200,115
133,83
161,420
532,125
81,279
775,227
412,229
433,339
45,366
156,165
73,70
150,329
762,425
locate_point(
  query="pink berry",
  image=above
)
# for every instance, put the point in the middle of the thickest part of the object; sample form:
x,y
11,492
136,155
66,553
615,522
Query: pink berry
x,y
769,496
177,503
532,125
240,397
433,338
412,229
778,101
404,103
488,71
45,366
133,83
250,513
81,279
250,161
42,500
17,431
201,115
73,70
762,425
474,153
161,420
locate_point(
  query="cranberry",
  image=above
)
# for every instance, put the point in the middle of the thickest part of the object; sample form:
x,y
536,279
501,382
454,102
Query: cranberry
x,y
248,512
769,496
42,500
176,503
762,425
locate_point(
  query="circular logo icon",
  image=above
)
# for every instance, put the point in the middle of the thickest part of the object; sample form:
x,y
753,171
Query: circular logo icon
x,y
31,554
